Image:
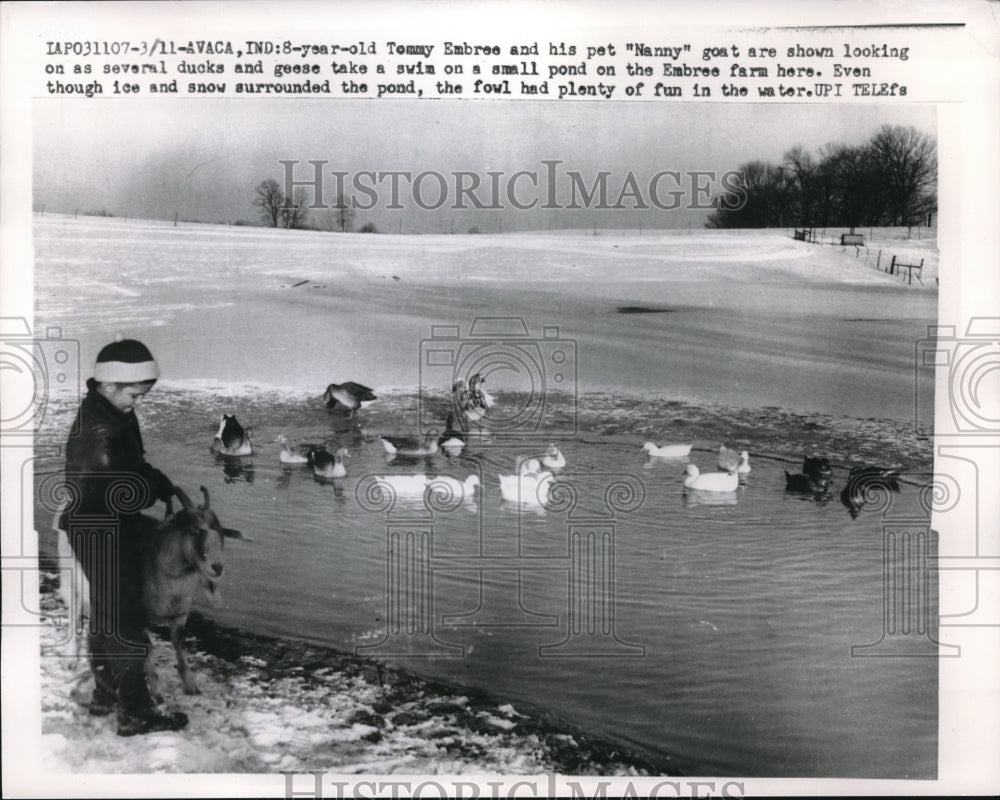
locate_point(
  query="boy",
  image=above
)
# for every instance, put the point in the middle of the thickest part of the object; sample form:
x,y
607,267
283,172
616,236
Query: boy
x,y
111,481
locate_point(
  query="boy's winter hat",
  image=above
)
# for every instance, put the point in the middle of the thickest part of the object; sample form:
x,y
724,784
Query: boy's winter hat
x,y
125,361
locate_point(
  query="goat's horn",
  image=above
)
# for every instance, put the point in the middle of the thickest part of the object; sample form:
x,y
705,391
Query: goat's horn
x,y
204,491
182,496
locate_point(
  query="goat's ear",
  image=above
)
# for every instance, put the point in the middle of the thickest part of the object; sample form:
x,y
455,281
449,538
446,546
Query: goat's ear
x,y
232,533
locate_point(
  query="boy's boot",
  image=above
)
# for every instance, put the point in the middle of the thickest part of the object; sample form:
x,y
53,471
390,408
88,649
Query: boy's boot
x,y
136,712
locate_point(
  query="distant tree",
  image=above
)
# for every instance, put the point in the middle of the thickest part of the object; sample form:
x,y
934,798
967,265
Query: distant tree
x,y
890,180
294,212
343,215
770,198
855,189
474,229
801,165
269,199
368,227
906,165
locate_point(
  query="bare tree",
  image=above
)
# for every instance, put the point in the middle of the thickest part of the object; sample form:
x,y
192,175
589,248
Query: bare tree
x,y
890,180
770,198
269,199
906,165
855,192
343,215
294,212
800,163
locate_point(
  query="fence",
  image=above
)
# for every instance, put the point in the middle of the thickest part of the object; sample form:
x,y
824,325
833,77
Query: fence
x,y
891,264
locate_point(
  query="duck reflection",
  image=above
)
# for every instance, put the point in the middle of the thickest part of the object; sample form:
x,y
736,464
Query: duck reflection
x,y
865,484
346,430
702,497
236,468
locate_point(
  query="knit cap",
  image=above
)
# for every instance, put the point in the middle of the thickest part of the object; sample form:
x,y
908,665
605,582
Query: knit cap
x,y
125,361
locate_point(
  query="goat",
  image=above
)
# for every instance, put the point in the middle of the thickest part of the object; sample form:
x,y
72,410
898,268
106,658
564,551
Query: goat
x,y
182,554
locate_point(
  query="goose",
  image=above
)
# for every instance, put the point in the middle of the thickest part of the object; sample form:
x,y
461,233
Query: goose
x,y
817,467
348,396
667,450
478,396
553,458
453,487
527,488
232,439
326,465
810,484
460,395
297,455
711,481
411,446
744,465
451,441
729,460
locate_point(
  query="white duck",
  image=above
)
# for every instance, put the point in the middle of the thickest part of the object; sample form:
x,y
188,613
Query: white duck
x,y
744,465
528,466
553,458
326,465
528,487
405,486
711,481
297,455
667,450
453,487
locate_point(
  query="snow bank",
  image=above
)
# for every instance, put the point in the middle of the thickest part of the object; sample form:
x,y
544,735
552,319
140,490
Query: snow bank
x,y
269,705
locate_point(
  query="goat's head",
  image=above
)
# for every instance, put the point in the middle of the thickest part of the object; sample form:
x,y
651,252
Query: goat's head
x,y
204,536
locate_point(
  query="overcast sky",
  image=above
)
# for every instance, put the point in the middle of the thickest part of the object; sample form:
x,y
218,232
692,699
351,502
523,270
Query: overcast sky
x,y
202,159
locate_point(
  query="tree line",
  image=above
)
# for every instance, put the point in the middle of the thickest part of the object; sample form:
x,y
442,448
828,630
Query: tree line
x,y
277,210
891,180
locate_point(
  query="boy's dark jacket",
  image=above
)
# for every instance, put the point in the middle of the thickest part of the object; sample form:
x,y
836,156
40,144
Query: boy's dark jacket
x,y
104,448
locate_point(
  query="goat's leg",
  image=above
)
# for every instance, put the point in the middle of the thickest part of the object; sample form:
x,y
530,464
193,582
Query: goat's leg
x,y
187,678
152,680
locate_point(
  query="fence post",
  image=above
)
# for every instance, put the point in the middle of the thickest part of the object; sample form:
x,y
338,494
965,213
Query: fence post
x,y
878,263
892,266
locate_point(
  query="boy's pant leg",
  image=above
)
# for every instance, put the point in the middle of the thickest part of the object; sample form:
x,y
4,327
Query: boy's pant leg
x,y
117,637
